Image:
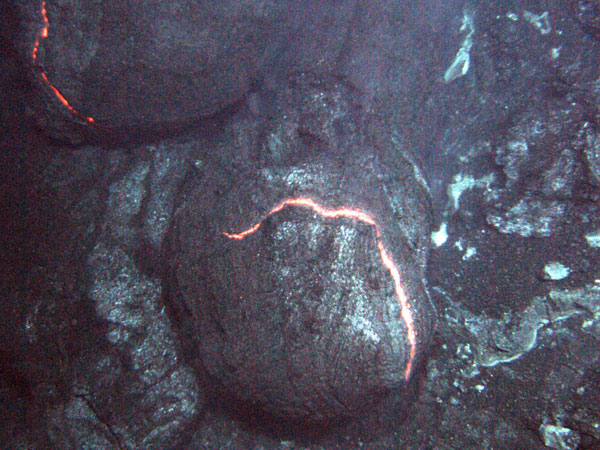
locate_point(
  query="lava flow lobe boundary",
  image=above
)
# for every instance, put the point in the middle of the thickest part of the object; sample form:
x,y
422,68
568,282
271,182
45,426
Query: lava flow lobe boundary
x,y
43,34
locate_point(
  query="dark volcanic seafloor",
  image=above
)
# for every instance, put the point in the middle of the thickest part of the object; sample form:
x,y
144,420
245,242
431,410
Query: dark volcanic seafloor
x,y
134,134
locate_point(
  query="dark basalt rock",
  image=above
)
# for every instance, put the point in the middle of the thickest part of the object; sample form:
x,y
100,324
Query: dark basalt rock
x,y
139,65
300,318
587,13
136,64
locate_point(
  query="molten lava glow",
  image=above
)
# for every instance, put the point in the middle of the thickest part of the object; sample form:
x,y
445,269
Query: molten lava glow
x,y
44,34
386,259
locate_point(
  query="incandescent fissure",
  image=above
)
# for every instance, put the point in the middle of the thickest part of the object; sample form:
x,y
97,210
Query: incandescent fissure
x,y
386,258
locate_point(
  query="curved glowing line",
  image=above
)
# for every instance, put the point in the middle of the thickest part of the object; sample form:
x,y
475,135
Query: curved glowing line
x,y
386,259
43,35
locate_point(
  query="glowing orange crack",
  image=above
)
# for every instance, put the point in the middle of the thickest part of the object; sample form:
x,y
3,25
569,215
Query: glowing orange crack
x,y
44,34
386,259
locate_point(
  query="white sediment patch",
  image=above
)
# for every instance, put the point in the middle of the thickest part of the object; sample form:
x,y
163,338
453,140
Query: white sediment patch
x,y
461,183
541,21
440,236
462,60
504,340
556,271
469,253
593,239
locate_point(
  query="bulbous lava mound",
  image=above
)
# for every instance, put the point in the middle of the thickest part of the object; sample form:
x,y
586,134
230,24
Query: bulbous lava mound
x,y
304,284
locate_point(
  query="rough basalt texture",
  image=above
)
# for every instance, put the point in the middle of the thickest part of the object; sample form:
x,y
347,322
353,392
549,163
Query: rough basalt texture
x,y
300,318
147,63
144,62
93,353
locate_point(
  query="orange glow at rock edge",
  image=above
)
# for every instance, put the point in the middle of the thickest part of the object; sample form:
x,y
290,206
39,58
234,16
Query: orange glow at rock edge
x,y
34,54
386,259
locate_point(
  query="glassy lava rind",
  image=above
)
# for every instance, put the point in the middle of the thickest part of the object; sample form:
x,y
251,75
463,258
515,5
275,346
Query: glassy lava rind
x,y
300,318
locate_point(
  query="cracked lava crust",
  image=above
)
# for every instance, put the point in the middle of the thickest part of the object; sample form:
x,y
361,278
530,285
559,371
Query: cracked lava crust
x,y
304,306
